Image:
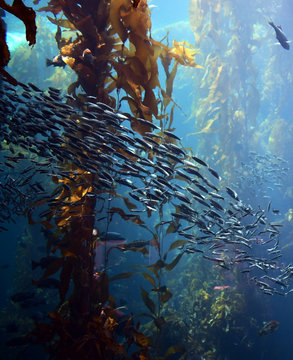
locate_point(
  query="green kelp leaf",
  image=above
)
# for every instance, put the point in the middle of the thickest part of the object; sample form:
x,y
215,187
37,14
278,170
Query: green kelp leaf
x,y
171,228
149,278
173,350
121,276
177,243
148,302
172,264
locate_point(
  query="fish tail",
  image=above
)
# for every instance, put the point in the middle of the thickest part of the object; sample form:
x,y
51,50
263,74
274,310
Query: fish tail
x,y
49,62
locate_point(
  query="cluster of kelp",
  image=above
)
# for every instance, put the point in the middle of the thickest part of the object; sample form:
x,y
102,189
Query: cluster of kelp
x,y
217,314
83,325
239,108
83,145
229,102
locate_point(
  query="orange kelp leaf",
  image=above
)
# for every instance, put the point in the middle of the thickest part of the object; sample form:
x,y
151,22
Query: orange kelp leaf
x,y
171,117
64,221
170,80
184,53
149,278
62,23
173,350
65,277
53,268
177,243
26,15
140,128
115,17
172,264
148,302
140,339
110,324
138,21
121,276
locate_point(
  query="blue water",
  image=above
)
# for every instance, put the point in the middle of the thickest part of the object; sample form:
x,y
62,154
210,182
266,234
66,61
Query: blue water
x,y
234,41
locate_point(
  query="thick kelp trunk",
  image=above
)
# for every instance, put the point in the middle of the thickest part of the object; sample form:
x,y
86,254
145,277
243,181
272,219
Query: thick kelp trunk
x,y
109,48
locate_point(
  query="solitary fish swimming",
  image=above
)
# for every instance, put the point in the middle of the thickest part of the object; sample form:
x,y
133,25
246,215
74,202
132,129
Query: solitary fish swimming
x,y
281,37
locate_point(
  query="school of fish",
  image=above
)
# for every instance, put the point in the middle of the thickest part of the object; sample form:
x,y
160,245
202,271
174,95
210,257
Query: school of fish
x,y
43,133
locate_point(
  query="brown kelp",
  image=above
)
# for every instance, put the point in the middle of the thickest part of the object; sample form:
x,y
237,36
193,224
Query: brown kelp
x,y
225,111
73,208
105,164
27,15
113,50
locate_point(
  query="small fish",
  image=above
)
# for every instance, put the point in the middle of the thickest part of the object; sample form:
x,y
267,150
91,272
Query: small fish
x,y
57,61
232,193
199,161
280,36
269,327
223,287
170,134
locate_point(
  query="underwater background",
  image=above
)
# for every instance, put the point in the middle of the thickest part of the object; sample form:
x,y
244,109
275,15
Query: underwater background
x,y
159,225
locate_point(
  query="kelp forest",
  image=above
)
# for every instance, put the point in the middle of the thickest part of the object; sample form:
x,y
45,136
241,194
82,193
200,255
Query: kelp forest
x,y
133,244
